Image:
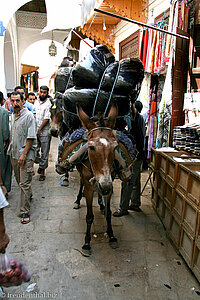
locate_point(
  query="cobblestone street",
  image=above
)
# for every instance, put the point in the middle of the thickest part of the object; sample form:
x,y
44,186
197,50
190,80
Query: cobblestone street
x,y
145,266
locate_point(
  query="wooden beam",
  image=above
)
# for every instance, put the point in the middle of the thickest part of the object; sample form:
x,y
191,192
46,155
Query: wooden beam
x,y
140,23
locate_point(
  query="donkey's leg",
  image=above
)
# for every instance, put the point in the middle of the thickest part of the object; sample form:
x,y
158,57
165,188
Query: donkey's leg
x,y
79,197
108,219
100,202
88,192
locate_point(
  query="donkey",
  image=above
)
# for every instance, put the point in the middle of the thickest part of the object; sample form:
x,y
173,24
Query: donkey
x,y
59,128
97,171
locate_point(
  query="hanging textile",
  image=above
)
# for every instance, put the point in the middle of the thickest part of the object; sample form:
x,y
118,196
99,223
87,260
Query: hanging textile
x,y
149,47
165,112
152,117
142,44
145,48
158,49
144,92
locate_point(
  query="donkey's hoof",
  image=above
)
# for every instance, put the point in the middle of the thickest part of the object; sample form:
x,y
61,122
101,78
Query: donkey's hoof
x,y
113,242
76,206
112,239
86,247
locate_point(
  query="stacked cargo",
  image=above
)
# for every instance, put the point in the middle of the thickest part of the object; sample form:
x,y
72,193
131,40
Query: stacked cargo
x,y
98,81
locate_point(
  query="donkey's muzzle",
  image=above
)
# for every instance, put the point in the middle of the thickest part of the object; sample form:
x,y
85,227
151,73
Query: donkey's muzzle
x,y
54,132
105,188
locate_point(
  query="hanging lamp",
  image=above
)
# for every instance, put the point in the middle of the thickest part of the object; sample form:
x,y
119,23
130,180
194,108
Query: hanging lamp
x,y
52,47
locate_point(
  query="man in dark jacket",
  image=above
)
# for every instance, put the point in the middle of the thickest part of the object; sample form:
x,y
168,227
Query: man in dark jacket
x,y
130,191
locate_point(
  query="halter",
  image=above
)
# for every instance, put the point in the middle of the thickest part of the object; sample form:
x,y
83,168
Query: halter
x,y
105,128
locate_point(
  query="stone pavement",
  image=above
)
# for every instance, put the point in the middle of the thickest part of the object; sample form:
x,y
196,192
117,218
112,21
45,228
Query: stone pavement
x,y
145,266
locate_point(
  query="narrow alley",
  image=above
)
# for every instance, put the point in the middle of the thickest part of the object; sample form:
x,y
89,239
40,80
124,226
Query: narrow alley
x,y
145,266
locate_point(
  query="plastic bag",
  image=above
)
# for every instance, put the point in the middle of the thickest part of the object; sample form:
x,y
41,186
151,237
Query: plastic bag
x,y
12,272
86,99
88,72
130,76
63,75
67,62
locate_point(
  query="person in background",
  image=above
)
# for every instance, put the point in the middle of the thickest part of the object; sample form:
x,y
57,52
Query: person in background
x,y
30,106
22,150
8,103
130,191
5,163
2,100
4,239
31,98
43,115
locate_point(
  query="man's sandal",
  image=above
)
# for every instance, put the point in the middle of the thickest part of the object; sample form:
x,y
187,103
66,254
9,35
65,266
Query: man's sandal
x,y
25,218
42,177
120,213
135,208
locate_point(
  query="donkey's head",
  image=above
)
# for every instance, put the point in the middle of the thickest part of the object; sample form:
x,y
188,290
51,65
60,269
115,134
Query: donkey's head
x,y
101,146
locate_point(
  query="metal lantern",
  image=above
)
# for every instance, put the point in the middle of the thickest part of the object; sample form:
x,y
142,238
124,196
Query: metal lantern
x,y
52,48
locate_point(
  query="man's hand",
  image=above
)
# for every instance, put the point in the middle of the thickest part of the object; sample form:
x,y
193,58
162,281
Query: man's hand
x,y
22,159
4,190
38,133
4,240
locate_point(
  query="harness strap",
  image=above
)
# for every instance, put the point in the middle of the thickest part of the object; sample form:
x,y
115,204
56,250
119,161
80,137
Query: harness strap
x,y
85,166
105,128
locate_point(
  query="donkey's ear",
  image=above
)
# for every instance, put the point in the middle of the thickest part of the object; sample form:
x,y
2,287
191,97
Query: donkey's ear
x,y
84,118
112,116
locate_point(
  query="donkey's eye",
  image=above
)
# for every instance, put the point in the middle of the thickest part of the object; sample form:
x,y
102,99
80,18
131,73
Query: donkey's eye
x,y
92,148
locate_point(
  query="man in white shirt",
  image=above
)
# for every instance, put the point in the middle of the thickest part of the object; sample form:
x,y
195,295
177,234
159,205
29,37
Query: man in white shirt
x,y
43,115
22,148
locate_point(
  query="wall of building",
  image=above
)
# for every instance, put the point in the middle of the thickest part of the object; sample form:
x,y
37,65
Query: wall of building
x,y
124,29
121,32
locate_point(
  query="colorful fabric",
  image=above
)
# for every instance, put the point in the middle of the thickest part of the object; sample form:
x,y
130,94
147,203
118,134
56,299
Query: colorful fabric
x,y
77,134
151,134
149,48
165,112
122,137
153,52
78,154
145,47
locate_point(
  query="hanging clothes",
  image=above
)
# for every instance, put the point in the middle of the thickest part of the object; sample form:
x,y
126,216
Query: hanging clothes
x,y
149,47
157,63
152,120
145,48
142,45
165,112
144,92
153,52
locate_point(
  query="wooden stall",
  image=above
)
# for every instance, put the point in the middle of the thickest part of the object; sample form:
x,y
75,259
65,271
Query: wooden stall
x,y
176,200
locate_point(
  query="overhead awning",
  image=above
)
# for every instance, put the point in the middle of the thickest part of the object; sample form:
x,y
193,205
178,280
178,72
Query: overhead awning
x,y
65,14
27,69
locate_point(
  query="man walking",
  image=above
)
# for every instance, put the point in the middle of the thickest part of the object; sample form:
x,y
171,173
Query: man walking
x,y
130,191
43,115
22,151
27,104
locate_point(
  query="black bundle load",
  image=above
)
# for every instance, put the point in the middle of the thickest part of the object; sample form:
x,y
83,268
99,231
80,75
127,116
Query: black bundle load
x,y
88,72
63,74
86,98
127,75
